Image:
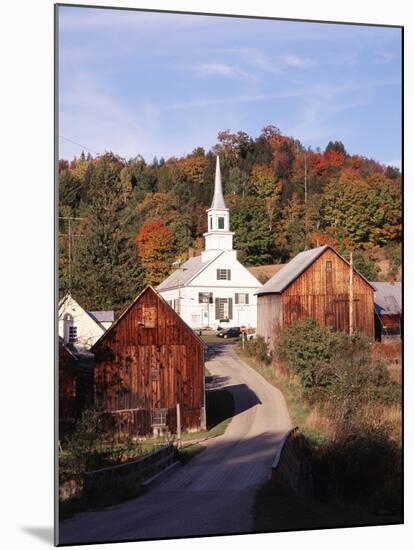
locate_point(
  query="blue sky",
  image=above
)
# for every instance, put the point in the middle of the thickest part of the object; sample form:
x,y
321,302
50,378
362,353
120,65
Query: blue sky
x,y
162,84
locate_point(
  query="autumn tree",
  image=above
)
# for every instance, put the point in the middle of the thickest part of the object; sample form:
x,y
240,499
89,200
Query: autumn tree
x,y
154,245
267,188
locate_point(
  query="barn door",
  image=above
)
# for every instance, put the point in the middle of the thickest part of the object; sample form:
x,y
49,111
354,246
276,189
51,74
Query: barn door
x,y
342,315
155,375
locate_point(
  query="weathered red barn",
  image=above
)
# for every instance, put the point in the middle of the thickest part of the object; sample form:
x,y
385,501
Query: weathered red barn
x,y
316,283
146,363
75,386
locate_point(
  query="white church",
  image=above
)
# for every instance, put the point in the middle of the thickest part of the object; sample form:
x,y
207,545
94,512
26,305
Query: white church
x,y
214,289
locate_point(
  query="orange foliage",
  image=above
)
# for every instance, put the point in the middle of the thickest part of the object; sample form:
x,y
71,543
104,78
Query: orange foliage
x,y
155,247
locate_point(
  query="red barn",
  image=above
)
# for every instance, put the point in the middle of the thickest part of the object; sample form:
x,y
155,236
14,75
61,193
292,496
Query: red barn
x,y
146,363
75,386
316,283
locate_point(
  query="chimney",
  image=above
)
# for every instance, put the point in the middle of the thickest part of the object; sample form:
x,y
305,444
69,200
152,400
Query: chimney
x,y
191,252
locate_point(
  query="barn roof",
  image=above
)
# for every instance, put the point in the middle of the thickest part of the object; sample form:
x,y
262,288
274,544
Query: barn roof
x,y
188,270
68,348
388,298
291,271
102,316
131,305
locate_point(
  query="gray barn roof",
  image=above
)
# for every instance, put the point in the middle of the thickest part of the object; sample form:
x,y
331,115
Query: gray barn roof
x,y
102,316
187,271
291,271
388,298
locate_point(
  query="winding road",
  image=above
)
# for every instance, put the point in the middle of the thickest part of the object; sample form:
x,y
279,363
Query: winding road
x,y
213,494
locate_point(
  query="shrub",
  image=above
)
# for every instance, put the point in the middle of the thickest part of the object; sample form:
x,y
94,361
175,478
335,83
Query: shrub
x,y
360,465
85,442
308,350
259,349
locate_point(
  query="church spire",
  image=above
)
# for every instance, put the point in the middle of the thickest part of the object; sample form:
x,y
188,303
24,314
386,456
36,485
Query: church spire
x,y
218,199
218,236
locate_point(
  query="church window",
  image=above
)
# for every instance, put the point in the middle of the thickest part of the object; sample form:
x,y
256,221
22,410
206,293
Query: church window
x,y
221,222
223,274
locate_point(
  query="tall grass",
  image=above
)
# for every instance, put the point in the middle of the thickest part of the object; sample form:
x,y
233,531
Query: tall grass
x,y
352,419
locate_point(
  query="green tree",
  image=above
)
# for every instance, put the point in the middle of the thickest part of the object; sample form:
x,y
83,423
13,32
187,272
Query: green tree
x,y
107,273
252,239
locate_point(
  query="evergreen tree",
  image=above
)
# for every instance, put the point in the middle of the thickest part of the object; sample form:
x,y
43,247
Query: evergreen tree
x,y
107,273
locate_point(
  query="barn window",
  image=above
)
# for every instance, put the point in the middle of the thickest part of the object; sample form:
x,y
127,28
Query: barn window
x,y
149,317
223,274
294,308
329,265
73,334
221,222
155,373
159,418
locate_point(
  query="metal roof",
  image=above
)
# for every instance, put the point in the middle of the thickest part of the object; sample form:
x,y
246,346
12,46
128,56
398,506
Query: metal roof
x,y
186,272
388,298
102,316
290,271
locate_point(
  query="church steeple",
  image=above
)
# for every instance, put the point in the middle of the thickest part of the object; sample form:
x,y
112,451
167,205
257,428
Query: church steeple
x,y
218,199
218,236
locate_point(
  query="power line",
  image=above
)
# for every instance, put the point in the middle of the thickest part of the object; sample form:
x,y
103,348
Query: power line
x,y
79,144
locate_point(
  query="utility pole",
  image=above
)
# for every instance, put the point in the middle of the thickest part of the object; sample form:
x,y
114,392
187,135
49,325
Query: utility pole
x,y
306,176
351,294
69,237
305,152
177,263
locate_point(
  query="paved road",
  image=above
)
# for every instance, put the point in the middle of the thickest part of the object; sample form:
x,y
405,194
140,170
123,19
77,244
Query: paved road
x,y
214,493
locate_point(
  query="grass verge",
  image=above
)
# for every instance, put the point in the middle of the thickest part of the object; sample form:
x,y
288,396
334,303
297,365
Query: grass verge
x,y
298,410
278,509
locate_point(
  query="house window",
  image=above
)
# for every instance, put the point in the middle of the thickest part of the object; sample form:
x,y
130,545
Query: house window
x,y
205,297
221,222
241,298
73,334
173,304
224,309
328,265
159,418
223,274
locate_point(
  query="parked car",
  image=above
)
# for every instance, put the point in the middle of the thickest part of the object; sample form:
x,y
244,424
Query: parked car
x,y
232,332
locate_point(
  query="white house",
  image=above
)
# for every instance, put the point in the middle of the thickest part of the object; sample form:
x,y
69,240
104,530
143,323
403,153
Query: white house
x,y
79,327
215,288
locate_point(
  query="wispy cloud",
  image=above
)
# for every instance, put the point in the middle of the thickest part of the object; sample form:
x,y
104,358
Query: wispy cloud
x,y
221,69
293,60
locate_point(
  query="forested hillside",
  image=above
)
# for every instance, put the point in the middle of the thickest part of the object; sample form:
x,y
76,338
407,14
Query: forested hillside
x,y
122,223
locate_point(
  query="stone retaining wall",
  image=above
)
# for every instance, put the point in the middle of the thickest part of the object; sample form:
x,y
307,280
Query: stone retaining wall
x,y
291,468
